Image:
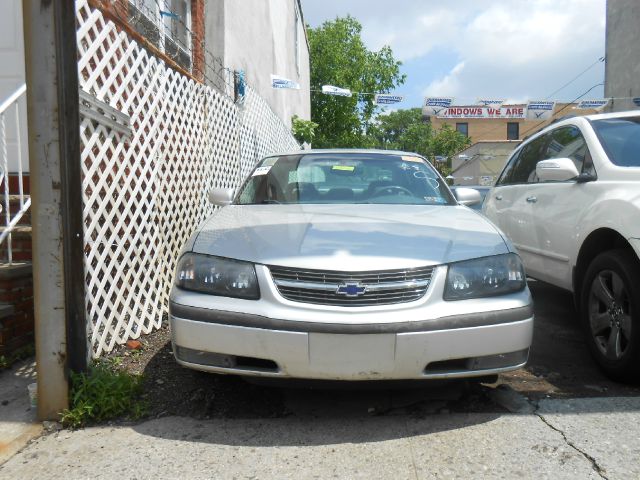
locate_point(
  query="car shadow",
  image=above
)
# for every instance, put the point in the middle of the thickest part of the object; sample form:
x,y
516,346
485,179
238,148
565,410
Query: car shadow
x,y
560,365
560,377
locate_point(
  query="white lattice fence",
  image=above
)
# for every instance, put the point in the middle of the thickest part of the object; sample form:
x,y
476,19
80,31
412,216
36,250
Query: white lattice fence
x,y
144,193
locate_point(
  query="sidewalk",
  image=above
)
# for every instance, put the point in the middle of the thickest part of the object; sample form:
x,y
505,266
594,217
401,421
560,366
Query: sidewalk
x,y
579,438
18,424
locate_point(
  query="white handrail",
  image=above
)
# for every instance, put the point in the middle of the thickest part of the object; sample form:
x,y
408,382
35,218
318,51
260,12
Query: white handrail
x,y
11,219
13,97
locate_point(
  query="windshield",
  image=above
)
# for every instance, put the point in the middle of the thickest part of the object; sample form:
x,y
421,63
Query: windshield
x,y
345,178
620,138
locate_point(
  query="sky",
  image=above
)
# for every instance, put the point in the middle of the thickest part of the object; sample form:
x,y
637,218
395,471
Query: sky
x,y
517,50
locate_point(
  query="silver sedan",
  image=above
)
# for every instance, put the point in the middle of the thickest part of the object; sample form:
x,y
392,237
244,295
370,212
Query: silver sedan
x,y
349,265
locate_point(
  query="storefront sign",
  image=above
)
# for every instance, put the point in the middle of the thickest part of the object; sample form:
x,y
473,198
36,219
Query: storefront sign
x,y
281,82
512,111
594,104
436,105
490,102
387,99
331,90
542,110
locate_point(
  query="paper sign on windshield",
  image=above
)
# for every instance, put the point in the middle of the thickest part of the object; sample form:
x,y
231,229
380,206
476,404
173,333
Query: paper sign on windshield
x,y
344,168
261,171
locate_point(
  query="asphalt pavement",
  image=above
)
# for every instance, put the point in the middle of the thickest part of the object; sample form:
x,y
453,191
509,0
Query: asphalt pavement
x,y
579,438
557,418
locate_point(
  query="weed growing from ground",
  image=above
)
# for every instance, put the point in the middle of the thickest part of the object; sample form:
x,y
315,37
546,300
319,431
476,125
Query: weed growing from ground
x,y
103,393
20,354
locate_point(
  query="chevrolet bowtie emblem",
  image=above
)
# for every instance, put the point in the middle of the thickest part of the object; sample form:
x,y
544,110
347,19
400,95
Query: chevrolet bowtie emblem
x,y
351,289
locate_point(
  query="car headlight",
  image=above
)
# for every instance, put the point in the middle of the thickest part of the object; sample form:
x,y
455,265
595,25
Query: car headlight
x,y
485,277
217,276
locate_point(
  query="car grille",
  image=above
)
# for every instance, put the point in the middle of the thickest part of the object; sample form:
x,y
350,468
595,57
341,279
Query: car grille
x,y
320,287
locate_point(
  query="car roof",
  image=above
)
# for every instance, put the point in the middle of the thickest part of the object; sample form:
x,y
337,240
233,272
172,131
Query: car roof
x,y
360,151
573,120
601,116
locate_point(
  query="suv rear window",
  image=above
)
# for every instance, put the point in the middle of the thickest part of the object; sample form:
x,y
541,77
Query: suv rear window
x,y
620,138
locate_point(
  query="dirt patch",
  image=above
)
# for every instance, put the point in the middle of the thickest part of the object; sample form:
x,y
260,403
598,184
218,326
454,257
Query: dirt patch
x,y
174,390
559,367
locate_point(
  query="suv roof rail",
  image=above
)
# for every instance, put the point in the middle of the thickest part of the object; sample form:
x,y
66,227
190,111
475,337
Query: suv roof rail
x,y
555,120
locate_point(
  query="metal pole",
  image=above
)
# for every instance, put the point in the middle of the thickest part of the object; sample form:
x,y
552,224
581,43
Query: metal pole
x,y
54,159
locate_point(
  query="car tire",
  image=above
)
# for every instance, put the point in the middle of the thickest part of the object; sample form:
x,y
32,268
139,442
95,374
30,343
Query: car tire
x,y
610,313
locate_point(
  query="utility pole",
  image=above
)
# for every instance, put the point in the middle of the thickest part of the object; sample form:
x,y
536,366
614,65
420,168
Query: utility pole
x,y
56,192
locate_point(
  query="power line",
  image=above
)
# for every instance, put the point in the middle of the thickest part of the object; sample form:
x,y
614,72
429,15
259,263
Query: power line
x,y
600,60
563,108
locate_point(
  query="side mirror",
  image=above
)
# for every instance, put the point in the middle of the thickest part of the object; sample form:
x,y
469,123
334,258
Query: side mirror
x,y
556,170
467,196
221,196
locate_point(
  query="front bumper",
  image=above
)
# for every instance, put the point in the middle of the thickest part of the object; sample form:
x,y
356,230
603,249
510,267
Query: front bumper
x,y
428,338
333,352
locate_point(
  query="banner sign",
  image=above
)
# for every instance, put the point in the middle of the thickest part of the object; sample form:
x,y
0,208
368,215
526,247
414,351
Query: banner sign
x,y
490,102
483,112
435,105
542,110
387,99
281,82
486,181
594,104
331,90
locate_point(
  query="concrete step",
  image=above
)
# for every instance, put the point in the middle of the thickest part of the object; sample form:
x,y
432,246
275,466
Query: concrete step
x,y
6,310
15,270
20,231
14,208
13,198
24,221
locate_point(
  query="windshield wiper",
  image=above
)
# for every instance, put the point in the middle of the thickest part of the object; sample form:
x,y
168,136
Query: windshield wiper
x,y
270,200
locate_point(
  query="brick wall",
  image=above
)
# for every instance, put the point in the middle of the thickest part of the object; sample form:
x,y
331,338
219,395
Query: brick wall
x,y
118,12
16,290
197,39
495,129
20,246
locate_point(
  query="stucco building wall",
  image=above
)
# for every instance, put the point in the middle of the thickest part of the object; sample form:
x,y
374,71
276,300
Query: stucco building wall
x,y
622,67
263,37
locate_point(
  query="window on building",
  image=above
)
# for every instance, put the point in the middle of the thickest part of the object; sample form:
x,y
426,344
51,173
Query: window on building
x,y
296,33
463,128
165,24
513,131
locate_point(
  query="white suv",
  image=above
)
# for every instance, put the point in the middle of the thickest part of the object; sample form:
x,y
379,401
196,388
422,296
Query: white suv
x,y
569,199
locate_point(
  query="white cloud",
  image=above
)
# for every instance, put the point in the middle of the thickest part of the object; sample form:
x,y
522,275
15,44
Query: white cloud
x,y
524,49
514,48
447,85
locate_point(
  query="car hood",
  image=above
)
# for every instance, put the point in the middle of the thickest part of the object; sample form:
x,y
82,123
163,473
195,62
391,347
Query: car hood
x,y
348,237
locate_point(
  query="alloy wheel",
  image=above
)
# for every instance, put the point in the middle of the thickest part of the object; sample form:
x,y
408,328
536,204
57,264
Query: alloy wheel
x,y
609,314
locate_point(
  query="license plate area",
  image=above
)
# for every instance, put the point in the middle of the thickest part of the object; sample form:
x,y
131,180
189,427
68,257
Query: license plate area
x,y
352,356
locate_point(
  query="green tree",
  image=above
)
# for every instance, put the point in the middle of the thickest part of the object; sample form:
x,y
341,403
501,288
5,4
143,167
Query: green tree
x,y
339,57
303,130
405,130
396,130
446,142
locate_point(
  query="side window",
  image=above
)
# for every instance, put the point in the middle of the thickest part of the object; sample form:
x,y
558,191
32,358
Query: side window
x,y
525,169
568,142
505,176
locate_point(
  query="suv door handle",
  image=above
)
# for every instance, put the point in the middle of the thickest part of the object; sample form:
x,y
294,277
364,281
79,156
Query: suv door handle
x,y
498,197
532,199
